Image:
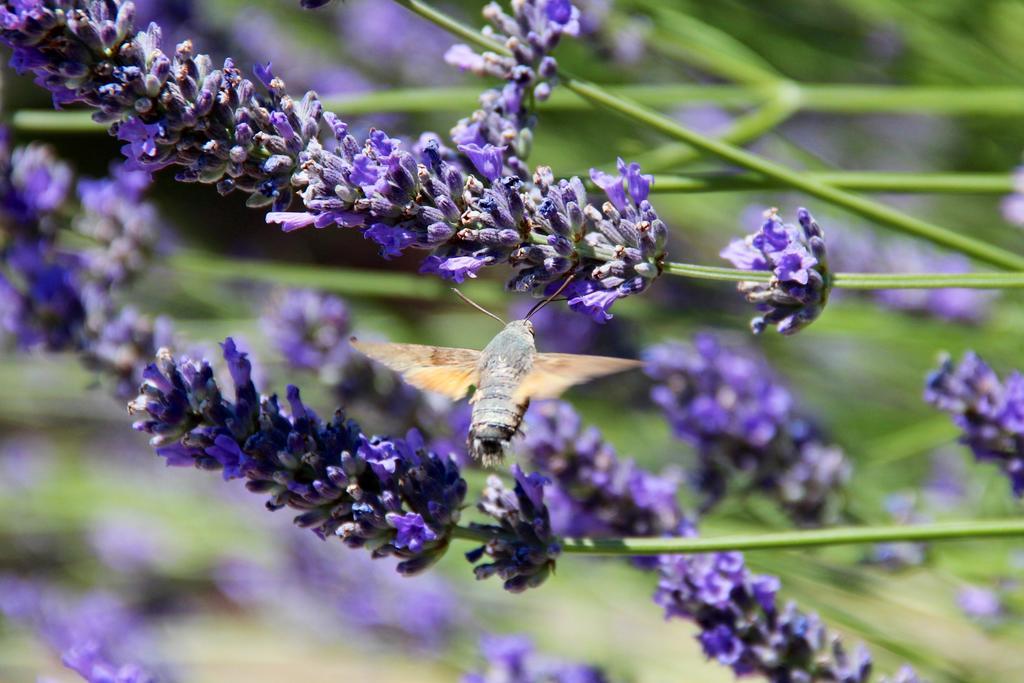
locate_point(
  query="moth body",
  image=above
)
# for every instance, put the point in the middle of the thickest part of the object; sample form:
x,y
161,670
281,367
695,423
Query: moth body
x,y
506,374
497,409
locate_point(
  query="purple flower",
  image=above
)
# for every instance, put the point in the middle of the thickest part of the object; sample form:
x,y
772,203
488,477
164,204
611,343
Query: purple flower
x,y
522,550
980,603
413,532
990,411
514,658
730,407
486,159
456,268
599,493
801,281
742,627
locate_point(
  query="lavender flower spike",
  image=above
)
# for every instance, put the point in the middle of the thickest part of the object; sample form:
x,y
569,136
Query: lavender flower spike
x,y
989,410
505,117
743,627
522,549
513,659
388,495
732,409
800,284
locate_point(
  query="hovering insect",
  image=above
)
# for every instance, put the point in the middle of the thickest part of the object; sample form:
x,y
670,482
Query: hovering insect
x,y
507,374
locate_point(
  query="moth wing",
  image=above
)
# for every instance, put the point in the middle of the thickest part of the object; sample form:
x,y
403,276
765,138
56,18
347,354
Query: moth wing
x,y
553,373
447,371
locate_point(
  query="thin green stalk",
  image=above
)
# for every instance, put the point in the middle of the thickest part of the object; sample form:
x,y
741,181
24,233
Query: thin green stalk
x,y
744,129
348,281
939,531
839,99
862,206
861,181
928,280
390,284
633,111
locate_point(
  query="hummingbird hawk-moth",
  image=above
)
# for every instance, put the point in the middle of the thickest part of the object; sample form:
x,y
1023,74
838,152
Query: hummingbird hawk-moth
x,y
507,374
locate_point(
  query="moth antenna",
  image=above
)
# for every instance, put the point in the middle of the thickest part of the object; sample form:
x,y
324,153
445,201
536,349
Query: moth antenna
x,y
477,306
541,304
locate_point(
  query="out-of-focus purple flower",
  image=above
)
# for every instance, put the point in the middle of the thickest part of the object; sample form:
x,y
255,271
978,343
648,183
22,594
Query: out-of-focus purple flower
x,y
902,508
96,635
311,331
594,492
864,251
800,280
312,585
521,550
990,411
731,408
983,604
1013,204
513,659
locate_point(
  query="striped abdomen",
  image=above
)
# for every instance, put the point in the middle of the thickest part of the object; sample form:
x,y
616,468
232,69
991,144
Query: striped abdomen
x,y
497,414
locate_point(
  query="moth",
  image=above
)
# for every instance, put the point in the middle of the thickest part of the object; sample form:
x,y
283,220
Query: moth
x,y
507,374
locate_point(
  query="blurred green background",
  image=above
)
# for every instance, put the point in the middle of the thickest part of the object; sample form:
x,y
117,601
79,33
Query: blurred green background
x,y
859,369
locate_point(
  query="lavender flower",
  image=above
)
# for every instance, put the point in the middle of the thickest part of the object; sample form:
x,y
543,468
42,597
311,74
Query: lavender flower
x,y
170,112
800,283
989,410
390,496
505,119
320,590
982,604
594,493
1013,204
867,252
513,659
742,626
729,406
522,550
387,495
95,633
311,331
62,300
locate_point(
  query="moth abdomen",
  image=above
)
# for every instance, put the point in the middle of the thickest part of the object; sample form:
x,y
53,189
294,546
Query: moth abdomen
x,y
490,443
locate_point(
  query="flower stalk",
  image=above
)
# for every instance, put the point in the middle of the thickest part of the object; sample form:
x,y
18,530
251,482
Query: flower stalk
x,y
854,535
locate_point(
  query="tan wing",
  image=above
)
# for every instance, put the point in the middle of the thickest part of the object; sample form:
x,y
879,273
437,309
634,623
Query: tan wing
x,y
447,371
553,373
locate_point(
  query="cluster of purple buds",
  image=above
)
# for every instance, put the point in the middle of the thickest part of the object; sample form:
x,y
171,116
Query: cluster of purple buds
x,y
521,550
391,496
504,123
593,491
169,110
731,408
743,627
800,280
388,495
214,125
311,331
58,299
990,411
619,248
513,659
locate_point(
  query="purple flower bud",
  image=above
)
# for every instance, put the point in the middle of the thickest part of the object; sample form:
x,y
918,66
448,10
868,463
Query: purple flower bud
x,y
486,159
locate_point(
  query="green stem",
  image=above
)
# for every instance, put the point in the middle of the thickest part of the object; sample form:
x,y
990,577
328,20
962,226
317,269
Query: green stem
x,y
863,181
862,206
843,99
790,178
928,280
390,284
939,531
